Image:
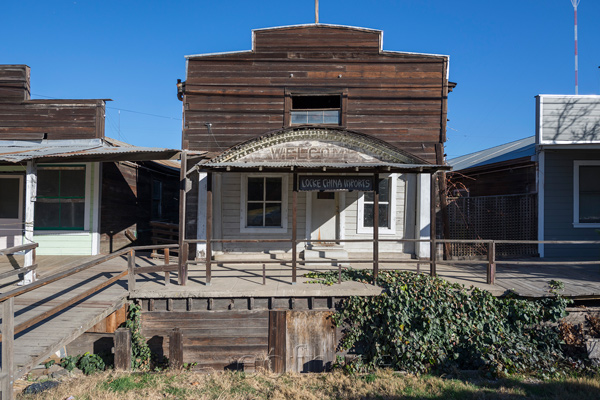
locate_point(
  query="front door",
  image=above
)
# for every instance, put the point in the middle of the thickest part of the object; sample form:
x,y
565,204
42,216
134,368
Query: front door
x,y
324,216
11,210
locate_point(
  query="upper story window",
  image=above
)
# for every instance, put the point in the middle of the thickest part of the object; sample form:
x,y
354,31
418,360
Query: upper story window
x,y
316,109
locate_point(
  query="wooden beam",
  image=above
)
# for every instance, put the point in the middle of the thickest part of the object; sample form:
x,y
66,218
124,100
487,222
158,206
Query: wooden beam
x,y
176,349
18,271
209,222
432,223
294,224
376,226
123,349
182,218
8,331
131,271
30,194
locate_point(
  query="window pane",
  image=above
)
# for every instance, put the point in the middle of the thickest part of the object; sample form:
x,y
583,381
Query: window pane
x,y
9,200
369,196
47,215
368,216
47,182
254,214
384,193
384,216
273,214
299,117
72,183
255,189
315,117
331,117
589,194
274,189
72,214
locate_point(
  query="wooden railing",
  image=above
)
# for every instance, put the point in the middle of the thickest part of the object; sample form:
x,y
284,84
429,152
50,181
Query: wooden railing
x,y
491,261
9,330
163,233
30,265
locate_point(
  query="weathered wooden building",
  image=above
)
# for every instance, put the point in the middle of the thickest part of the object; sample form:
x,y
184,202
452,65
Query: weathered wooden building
x,y
62,183
297,128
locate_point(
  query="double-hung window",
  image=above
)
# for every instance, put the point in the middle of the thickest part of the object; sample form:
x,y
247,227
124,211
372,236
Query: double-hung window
x,y
387,208
60,200
586,196
264,208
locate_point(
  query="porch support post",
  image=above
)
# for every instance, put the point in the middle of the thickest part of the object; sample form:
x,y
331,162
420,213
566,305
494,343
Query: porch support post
x,y
432,223
182,264
209,222
375,226
30,194
294,224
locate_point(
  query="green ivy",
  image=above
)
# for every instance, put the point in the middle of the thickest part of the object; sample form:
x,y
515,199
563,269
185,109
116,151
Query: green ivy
x,y
140,351
426,324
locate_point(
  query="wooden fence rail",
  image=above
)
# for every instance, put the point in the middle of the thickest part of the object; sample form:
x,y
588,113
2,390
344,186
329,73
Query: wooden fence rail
x,y
30,264
9,330
491,261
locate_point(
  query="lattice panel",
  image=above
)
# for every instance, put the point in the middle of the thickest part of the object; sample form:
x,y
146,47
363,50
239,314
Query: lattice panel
x,y
511,217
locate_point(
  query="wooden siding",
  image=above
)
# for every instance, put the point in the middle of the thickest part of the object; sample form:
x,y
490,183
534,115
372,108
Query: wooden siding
x,y
59,119
397,97
14,83
213,339
566,119
558,205
127,202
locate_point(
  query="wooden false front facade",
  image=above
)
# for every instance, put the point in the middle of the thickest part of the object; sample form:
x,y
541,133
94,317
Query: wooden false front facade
x,y
316,100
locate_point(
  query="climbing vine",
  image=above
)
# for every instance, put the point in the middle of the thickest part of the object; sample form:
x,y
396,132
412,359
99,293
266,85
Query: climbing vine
x,y
426,324
140,351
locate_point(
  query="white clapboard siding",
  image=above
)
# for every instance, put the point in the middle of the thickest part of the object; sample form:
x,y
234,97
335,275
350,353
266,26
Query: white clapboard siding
x,y
568,119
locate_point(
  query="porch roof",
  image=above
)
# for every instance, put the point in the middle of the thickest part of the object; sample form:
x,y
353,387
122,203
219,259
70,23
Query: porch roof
x,y
291,165
16,151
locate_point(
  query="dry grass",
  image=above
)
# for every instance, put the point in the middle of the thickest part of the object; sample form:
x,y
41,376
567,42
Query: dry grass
x,y
381,385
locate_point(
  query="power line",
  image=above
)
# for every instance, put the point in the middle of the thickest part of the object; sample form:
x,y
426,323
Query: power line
x,y
120,109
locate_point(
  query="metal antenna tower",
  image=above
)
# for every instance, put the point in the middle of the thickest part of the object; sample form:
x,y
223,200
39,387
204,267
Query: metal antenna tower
x,y
575,3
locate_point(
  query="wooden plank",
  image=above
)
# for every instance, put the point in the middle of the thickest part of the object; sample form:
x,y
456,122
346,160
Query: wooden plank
x,y
176,349
277,340
123,349
8,330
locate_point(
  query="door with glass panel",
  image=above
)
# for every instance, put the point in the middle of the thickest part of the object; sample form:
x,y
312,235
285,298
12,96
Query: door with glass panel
x,y
11,210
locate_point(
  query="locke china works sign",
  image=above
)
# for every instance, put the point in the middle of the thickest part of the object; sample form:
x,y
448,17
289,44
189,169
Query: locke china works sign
x,y
334,182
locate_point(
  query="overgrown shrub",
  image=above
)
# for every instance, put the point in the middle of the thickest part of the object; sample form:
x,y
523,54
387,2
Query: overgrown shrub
x,y
422,323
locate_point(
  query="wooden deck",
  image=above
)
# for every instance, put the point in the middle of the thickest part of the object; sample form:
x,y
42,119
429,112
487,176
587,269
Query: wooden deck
x,y
233,280
37,343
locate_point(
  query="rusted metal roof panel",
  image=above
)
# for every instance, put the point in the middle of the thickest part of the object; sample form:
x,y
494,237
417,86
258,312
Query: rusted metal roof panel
x,y
78,150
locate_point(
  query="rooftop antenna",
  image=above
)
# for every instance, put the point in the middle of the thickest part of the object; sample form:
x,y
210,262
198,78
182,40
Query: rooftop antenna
x,y
317,11
575,3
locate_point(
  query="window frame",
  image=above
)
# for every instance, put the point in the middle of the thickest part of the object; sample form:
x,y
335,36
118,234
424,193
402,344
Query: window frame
x,y
289,93
86,200
576,165
391,230
244,202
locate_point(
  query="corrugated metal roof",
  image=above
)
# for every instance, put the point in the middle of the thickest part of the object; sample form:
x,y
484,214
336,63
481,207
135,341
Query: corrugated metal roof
x,y
505,152
287,164
78,150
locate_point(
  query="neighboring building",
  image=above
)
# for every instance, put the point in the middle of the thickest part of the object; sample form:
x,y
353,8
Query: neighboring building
x,y
560,167
53,159
568,144
492,194
309,117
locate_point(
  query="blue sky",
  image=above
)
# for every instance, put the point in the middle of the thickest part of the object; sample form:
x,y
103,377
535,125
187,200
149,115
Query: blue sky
x,y
502,53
